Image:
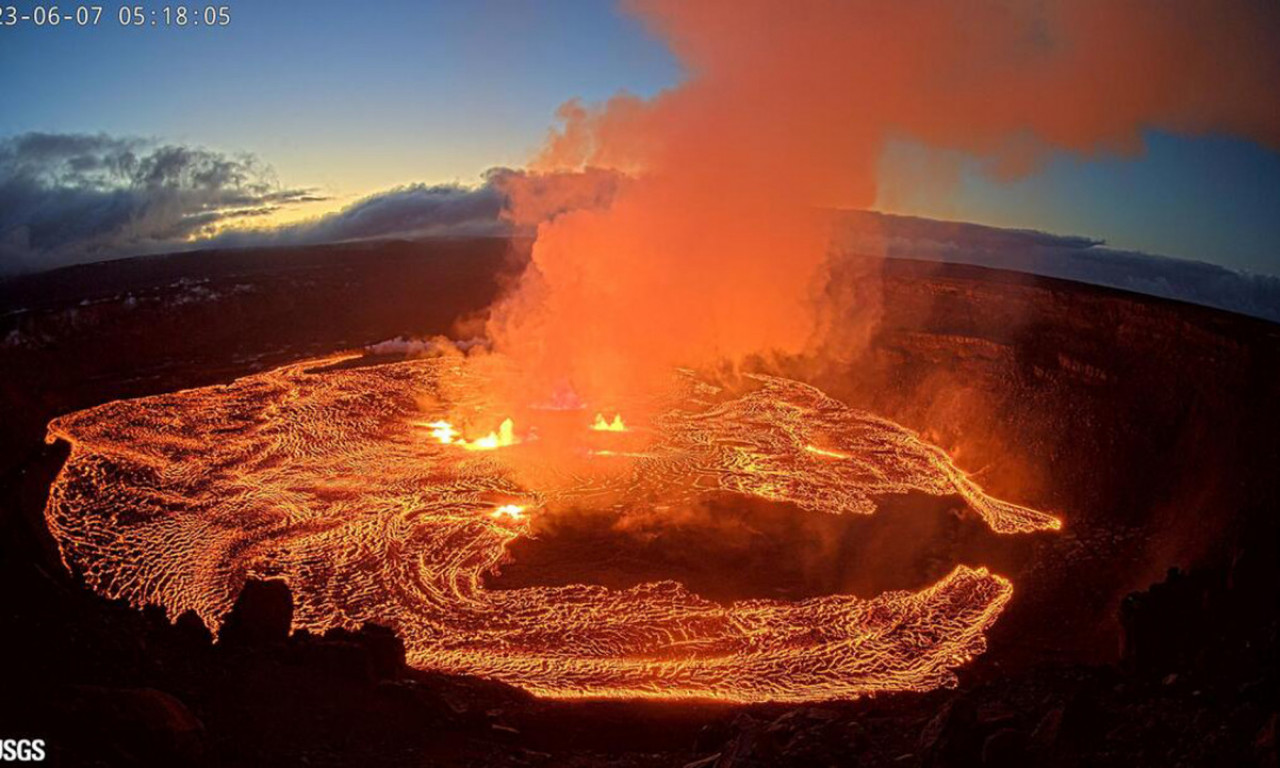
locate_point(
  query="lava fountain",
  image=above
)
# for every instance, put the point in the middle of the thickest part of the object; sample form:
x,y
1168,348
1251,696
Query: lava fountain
x,y
354,485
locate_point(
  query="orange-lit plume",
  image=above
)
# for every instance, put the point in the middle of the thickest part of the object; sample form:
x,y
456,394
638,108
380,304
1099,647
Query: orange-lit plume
x,y
714,244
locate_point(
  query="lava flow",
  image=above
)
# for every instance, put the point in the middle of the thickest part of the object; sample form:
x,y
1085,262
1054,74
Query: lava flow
x,y
353,485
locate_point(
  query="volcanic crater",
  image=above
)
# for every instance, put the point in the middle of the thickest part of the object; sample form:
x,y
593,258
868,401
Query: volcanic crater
x,y
1146,426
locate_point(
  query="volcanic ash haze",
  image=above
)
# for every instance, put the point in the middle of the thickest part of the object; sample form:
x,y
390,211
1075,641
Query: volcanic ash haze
x,y
715,245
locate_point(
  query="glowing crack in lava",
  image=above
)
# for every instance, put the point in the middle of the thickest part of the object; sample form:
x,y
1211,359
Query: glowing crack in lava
x,y
340,482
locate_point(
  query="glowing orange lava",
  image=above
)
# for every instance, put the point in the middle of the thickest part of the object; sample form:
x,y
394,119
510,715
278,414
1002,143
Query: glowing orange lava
x,y
509,511
824,452
603,425
445,434
326,478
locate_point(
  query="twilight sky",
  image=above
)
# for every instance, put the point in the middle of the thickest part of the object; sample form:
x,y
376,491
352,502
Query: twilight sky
x,y
351,99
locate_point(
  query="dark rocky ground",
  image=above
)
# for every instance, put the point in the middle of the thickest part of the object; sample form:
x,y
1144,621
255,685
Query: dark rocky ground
x,y
1151,427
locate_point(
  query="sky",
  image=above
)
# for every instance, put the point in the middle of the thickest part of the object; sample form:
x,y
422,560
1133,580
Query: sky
x,y
351,99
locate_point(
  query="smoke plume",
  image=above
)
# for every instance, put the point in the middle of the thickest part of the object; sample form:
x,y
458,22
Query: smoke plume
x,y
715,247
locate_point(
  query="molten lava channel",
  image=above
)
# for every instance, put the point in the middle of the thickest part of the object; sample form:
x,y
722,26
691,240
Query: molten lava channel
x,y
374,510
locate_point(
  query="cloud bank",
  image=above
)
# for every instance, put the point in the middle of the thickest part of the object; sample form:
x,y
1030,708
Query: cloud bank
x,y
1080,259
417,210
67,198
71,198
506,202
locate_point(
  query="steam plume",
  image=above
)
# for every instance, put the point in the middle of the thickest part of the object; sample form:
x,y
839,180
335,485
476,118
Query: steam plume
x,y
714,247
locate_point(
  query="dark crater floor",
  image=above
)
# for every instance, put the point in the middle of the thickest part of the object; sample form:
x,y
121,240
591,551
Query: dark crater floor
x,y
737,548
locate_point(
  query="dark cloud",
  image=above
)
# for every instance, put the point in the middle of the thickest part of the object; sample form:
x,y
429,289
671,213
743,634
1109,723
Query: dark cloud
x,y
67,198
507,201
1081,259
417,210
